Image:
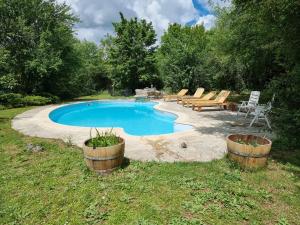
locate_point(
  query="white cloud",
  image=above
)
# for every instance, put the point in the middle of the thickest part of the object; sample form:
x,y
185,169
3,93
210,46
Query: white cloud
x,y
221,3
207,21
97,16
161,12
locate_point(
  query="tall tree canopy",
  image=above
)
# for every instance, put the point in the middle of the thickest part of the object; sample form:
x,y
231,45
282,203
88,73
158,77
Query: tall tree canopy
x,y
36,43
181,57
256,45
92,74
131,54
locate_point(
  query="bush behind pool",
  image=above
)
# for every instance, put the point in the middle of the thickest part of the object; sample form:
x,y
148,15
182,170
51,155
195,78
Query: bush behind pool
x,y
17,100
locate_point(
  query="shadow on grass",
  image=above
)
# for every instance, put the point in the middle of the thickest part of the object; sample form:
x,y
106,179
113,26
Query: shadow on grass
x,y
290,158
4,119
125,163
281,153
86,170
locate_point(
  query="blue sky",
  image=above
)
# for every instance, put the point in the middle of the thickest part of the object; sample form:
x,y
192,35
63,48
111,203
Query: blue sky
x,y
202,9
97,15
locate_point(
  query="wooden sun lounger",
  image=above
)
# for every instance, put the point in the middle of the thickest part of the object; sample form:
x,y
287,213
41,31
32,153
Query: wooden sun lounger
x,y
197,95
174,97
218,101
208,96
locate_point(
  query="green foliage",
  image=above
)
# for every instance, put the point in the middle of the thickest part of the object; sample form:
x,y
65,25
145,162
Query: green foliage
x,y
255,46
286,113
7,80
17,100
181,58
54,99
11,100
37,36
131,54
103,139
253,143
35,100
93,72
8,83
242,50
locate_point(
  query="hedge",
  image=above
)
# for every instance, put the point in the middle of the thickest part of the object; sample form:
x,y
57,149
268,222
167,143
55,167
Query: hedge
x,y
18,100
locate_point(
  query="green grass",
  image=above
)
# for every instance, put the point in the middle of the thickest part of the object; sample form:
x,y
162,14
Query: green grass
x,y
54,187
101,96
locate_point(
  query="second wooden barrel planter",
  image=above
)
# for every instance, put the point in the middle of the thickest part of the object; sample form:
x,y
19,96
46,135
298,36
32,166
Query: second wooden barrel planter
x,y
106,155
250,151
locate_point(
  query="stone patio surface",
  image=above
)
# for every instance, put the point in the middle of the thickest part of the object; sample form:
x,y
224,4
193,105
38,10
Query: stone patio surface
x,y
206,142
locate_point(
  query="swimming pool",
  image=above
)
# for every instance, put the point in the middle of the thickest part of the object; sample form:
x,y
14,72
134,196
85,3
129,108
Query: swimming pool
x,y
135,118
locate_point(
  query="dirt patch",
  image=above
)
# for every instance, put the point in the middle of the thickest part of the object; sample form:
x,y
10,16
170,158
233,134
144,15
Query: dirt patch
x,y
161,148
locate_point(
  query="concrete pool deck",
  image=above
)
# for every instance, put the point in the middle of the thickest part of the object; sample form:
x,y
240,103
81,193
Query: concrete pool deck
x,y
205,142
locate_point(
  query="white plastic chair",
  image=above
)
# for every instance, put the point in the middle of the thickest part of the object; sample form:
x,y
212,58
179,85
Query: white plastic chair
x,y
249,105
261,112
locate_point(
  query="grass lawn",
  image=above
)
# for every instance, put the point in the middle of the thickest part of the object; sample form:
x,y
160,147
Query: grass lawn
x,y
54,187
101,96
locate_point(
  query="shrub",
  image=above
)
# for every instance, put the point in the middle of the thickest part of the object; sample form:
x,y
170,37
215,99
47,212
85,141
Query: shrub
x,y
11,100
53,98
17,100
35,100
285,115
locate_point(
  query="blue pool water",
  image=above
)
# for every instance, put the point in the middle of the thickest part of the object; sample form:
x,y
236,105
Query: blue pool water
x,y
134,117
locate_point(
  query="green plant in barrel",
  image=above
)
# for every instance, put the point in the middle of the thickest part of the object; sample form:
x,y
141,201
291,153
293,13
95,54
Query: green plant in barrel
x,y
103,139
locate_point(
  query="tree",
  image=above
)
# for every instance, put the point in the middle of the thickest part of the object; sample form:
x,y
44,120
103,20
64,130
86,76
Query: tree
x,y
131,54
256,46
7,81
245,48
38,39
181,58
92,73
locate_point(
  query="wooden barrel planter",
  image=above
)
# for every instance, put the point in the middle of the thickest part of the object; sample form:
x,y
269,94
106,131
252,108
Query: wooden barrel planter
x,y
104,159
250,151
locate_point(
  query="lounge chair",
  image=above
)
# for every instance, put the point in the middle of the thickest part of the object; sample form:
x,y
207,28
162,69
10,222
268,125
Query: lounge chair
x,y
261,112
208,96
174,97
250,105
197,95
218,101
